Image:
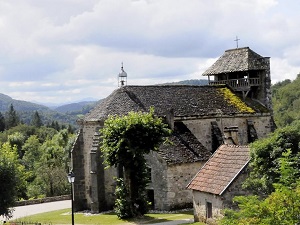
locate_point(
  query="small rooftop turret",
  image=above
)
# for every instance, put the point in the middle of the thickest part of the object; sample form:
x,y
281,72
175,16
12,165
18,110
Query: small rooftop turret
x,y
122,77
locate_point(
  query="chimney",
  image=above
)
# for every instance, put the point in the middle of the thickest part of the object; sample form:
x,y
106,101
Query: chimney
x,y
170,118
231,135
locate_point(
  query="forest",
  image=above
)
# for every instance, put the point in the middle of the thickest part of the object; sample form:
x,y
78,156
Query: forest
x,y
36,158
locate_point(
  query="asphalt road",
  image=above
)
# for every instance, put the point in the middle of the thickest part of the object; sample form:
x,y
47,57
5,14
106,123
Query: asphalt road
x,y
28,210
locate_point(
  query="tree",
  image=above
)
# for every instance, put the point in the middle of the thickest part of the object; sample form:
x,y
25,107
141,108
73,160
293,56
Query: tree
x,y
17,139
125,140
12,118
2,122
286,103
281,207
11,178
265,155
51,168
36,120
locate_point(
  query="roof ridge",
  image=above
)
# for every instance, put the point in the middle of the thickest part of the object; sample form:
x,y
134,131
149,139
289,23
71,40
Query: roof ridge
x,y
235,49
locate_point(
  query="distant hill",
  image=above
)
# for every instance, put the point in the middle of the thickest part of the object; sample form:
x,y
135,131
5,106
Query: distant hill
x,y
199,82
19,105
26,109
76,107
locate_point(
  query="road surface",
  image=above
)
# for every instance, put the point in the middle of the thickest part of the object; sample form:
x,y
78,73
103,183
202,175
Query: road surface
x,y
29,210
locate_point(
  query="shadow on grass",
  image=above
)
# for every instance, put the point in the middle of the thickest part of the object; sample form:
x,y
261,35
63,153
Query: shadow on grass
x,y
150,218
146,220
187,212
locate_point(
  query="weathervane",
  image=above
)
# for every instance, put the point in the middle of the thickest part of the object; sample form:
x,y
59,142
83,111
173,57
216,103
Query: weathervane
x,y
237,41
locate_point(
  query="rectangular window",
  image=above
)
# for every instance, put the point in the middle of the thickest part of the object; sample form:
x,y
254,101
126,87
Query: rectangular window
x,y
208,210
149,173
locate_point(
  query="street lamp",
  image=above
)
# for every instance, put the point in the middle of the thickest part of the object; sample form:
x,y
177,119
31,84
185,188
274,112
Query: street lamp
x,y
71,179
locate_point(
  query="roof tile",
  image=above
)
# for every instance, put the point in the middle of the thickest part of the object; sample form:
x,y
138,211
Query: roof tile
x,y
235,60
185,100
221,169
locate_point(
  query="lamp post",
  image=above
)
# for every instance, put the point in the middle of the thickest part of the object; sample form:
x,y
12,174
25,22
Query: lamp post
x,y
71,179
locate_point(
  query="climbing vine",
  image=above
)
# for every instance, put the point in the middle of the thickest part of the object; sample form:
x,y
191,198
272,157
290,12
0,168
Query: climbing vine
x,y
125,141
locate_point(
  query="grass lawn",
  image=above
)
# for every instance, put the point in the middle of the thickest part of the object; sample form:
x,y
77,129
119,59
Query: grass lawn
x,y
64,217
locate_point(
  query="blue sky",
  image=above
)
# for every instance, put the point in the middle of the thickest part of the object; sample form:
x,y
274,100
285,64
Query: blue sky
x,y
59,51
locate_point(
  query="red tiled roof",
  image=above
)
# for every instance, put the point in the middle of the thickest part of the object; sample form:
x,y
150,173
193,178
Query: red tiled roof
x,y
221,169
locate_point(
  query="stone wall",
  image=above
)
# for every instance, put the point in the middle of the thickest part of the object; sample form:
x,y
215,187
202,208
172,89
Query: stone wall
x,y
159,182
81,161
77,166
219,202
200,200
43,200
169,182
235,189
94,185
178,177
265,95
202,128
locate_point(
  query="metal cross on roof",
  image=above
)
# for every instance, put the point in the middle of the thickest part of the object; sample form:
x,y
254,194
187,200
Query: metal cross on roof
x,y
237,41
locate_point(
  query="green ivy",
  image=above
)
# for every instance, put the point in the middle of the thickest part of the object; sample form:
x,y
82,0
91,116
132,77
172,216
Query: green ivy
x,y
125,141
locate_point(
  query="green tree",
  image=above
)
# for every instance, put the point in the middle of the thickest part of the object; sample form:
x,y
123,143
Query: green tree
x,y
12,178
39,152
17,139
32,152
32,155
281,207
51,168
265,155
9,181
36,120
286,103
12,119
2,122
125,140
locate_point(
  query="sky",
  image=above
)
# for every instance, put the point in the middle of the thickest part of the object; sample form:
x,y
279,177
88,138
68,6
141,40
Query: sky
x,y
59,51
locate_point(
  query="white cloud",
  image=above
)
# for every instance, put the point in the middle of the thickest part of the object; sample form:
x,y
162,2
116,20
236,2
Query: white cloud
x,y
58,50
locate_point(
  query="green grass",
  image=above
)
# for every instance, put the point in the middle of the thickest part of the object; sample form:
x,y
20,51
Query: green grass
x,y
64,217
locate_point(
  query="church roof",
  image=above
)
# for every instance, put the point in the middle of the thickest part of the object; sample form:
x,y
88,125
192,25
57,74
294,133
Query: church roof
x,y
221,169
184,100
184,147
236,60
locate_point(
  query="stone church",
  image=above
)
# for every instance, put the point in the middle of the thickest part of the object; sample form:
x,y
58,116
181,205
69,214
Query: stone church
x,y
234,108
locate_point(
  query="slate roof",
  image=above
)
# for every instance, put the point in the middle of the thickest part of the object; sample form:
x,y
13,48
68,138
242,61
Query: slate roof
x,y
236,60
221,169
185,100
184,147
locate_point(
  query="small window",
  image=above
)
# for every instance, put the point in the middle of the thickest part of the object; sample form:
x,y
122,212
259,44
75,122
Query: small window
x,y
208,210
149,173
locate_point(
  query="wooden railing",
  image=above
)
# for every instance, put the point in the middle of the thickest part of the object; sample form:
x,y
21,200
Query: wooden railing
x,y
238,83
